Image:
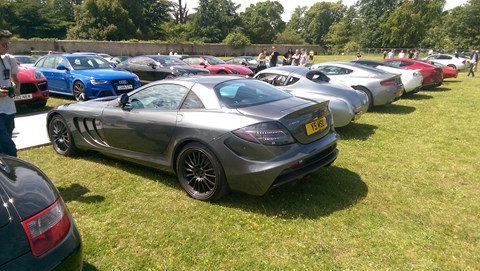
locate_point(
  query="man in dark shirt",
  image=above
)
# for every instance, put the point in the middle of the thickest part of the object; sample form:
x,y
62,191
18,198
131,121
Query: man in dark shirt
x,y
274,57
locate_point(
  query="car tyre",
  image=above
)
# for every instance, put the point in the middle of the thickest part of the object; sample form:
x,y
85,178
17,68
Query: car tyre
x,y
79,91
452,66
200,173
369,95
170,76
222,72
61,137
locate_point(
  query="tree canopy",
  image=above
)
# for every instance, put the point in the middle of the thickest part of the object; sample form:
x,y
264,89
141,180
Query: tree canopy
x,y
367,24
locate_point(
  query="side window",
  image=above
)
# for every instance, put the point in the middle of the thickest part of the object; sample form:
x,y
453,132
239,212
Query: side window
x,y
40,63
59,61
330,70
267,77
279,80
161,97
192,102
193,60
49,63
292,80
405,63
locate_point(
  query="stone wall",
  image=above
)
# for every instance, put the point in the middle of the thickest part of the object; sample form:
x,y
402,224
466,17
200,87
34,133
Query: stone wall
x,y
116,48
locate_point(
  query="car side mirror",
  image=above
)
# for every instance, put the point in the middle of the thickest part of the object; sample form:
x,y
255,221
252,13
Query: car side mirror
x,y
62,68
123,100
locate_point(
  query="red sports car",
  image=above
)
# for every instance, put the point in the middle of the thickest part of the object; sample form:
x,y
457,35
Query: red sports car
x,y
432,76
33,88
216,65
448,72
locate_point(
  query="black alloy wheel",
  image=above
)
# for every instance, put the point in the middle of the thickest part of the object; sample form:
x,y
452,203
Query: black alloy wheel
x,y
61,137
79,91
200,173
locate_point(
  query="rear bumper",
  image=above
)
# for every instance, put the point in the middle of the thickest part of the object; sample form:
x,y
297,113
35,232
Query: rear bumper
x,y
258,177
66,256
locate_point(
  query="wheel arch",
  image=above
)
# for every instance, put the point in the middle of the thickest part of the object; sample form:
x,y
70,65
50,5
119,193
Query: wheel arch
x,y
178,148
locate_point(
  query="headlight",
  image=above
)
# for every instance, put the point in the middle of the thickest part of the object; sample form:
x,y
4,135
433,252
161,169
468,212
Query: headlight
x,y
98,82
38,74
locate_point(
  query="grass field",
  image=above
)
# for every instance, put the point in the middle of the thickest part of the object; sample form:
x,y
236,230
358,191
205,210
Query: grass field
x,y
404,194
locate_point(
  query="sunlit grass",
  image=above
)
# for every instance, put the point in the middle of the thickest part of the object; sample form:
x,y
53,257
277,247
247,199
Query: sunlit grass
x,y
403,195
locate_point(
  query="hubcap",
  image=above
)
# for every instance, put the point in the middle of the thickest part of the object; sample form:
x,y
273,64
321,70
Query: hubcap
x,y
60,137
199,172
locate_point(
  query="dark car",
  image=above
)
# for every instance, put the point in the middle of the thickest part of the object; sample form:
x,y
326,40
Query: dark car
x,y
37,231
215,132
85,76
150,68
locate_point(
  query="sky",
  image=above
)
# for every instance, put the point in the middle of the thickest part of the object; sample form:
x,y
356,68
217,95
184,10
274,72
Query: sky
x,y
290,5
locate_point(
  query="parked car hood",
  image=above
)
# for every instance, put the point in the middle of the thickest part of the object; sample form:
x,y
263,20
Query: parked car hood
x,y
106,73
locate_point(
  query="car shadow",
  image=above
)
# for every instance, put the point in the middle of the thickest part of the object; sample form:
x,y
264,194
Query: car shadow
x,y
392,109
24,110
320,194
436,89
417,97
76,192
88,267
357,131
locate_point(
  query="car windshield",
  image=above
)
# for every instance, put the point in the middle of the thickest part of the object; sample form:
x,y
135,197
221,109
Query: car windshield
x,y
247,92
213,60
170,61
88,62
26,59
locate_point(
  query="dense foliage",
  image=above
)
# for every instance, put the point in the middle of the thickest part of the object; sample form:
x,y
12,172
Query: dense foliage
x,y
368,23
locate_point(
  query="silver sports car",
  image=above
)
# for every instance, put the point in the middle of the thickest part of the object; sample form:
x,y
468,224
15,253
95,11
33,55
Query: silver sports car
x,y
346,103
216,133
380,86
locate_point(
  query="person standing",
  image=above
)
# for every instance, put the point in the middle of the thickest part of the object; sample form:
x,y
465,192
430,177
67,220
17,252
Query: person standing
x,y
9,87
430,52
473,62
274,57
391,54
287,57
401,54
415,55
262,60
296,58
303,58
359,55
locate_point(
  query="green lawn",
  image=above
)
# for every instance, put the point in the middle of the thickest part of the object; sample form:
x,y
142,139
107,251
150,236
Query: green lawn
x,y
404,194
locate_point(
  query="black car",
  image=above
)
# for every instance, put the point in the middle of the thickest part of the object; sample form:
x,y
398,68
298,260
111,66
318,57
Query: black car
x,y
151,68
37,231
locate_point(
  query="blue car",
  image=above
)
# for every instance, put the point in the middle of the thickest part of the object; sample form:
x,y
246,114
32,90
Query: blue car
x,y
85,76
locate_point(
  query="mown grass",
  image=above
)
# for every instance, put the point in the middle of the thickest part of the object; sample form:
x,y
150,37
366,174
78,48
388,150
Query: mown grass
x,y
402,195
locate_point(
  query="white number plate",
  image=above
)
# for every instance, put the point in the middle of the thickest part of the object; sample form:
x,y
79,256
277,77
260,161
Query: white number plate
x,y
23,97
124,87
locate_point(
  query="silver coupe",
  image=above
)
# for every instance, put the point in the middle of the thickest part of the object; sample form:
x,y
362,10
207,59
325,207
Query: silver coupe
x,y
217,133
346,103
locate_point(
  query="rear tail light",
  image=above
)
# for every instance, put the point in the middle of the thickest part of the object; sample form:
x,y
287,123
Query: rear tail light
x,y
265,133
389,82
48,228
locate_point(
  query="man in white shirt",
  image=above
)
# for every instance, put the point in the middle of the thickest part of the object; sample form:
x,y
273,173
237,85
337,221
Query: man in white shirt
x,y
9,87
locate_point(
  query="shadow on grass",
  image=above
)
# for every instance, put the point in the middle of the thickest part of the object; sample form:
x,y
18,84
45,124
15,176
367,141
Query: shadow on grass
x,y
417,97
358,131
23,110
393,109
320,194
88,267
76,192
437,89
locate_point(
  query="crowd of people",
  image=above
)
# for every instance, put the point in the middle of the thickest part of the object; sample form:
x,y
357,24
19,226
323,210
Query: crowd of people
x,y
412,54
298,58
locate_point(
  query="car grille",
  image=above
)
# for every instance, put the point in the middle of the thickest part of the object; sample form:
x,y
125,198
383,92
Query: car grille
x,y
122,82
28,88
42,86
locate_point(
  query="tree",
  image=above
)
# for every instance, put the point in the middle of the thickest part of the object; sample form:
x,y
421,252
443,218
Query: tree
x,y
180,12
344,32
461,24
318,20
297,20
372,13
263,21
289,36
214,19
237,39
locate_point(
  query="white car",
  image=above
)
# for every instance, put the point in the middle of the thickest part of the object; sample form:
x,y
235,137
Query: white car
x,y
458,63
412,79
